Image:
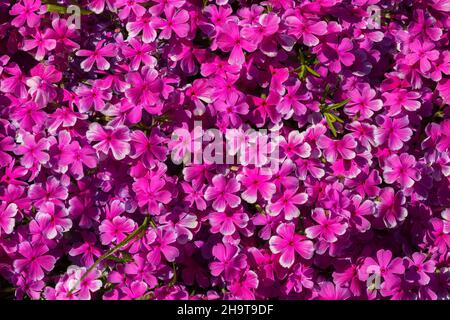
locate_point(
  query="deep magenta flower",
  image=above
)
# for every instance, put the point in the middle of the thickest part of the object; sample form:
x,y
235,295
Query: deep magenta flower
x,y
306,29
226,222
329,291
33,152
287,203
161,243
222,193
288,243
26,12
384,266
391,207
401,169
333,149
114,139
328,228
42,42
362,103
97,56
150,193
7,214
256,181
394,132
115,230
176,21
418,270
229,263
230,39
34,260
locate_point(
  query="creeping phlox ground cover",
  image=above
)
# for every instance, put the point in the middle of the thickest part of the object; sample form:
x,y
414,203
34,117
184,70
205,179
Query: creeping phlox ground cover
x,y
228,149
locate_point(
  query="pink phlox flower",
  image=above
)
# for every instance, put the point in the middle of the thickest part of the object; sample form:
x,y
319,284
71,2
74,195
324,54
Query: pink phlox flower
x,y
34,260
229,263
336,54
256,181
362,103
30,116
230,39
343,148
63,33
228,221
7,220
267,25
145,87
295,145
55,219
163,242
151,193
14,84
301,278
135,290
306,29
115,229
87,249
42,42
287,202
182,222
41,83
88,285
141,270
114,139
391,207
401,169
288,243
149,149
176,21
25,11
232,107
222,192
97,56
284,176
423,54
330,291
145,24
200,93
266,107
243,287
127,6
194,194
399,99
95,96
98,6
328,228
384,266
293,101
33,152
359,210
418,269
393,131
12,174
139,53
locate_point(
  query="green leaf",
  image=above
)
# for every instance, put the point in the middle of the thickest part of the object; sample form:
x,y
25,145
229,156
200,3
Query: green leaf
x,y
330,121
313,72
301,74
338,119
63,10
56,8
338,105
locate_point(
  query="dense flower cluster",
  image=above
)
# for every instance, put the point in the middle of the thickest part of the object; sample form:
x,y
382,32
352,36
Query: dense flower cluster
x,y
98,202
